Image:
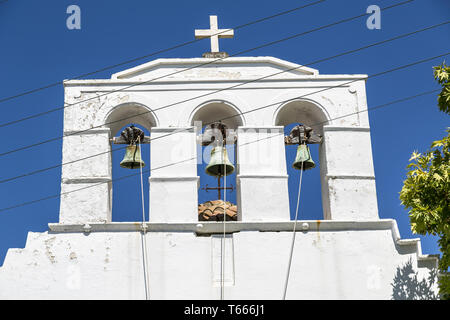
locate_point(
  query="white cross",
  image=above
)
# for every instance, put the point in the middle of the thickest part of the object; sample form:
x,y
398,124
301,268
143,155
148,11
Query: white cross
x,y
214,33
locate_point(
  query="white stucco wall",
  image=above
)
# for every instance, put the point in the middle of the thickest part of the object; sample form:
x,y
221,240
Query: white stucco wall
x,y
332,260
352,254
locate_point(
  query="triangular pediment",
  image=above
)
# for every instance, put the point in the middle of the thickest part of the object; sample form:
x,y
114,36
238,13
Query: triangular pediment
x,y
198,69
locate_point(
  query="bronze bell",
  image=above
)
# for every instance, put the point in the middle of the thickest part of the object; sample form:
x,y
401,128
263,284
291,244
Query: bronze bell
x,y
219,160
303,156
132,158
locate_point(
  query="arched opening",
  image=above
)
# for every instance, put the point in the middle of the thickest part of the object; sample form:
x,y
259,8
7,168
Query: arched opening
x,y
307,113
130,112
126,187
218,110
214,189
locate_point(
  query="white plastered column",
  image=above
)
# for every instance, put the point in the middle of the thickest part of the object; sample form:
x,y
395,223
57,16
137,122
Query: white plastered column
x,y
262,179
348,178
173,179
86,187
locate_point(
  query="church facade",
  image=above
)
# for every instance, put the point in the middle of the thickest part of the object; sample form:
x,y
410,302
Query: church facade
x,y
350,254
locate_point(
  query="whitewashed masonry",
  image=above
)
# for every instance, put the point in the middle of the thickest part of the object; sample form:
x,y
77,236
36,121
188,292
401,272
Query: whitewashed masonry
x,y
351,254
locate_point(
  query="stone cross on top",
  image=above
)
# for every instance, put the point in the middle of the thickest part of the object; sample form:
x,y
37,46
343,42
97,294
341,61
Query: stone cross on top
x,y
214,33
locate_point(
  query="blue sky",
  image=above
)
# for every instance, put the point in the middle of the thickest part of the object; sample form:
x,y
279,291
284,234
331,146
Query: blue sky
x,y
37,48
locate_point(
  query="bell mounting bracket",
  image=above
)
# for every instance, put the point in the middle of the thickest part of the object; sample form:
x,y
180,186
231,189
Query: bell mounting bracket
x,y
302,134
216,133
131,135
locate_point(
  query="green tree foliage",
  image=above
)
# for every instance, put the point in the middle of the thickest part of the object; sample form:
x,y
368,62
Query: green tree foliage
x,y
426,190
442,75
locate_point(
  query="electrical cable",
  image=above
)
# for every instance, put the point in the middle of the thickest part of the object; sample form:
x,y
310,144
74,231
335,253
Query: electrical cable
x,y
194,158
220,90
88,157
293,233
144,231
224,220
190,68
154,53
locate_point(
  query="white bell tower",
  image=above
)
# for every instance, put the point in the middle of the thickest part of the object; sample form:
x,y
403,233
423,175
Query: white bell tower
x,y
347,174
350,254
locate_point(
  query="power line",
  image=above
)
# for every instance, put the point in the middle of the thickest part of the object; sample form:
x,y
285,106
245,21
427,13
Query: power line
x,y
219,90
194,67
50,85
259,108
345,83
194,158
311,93
143,234
364,110
291,252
